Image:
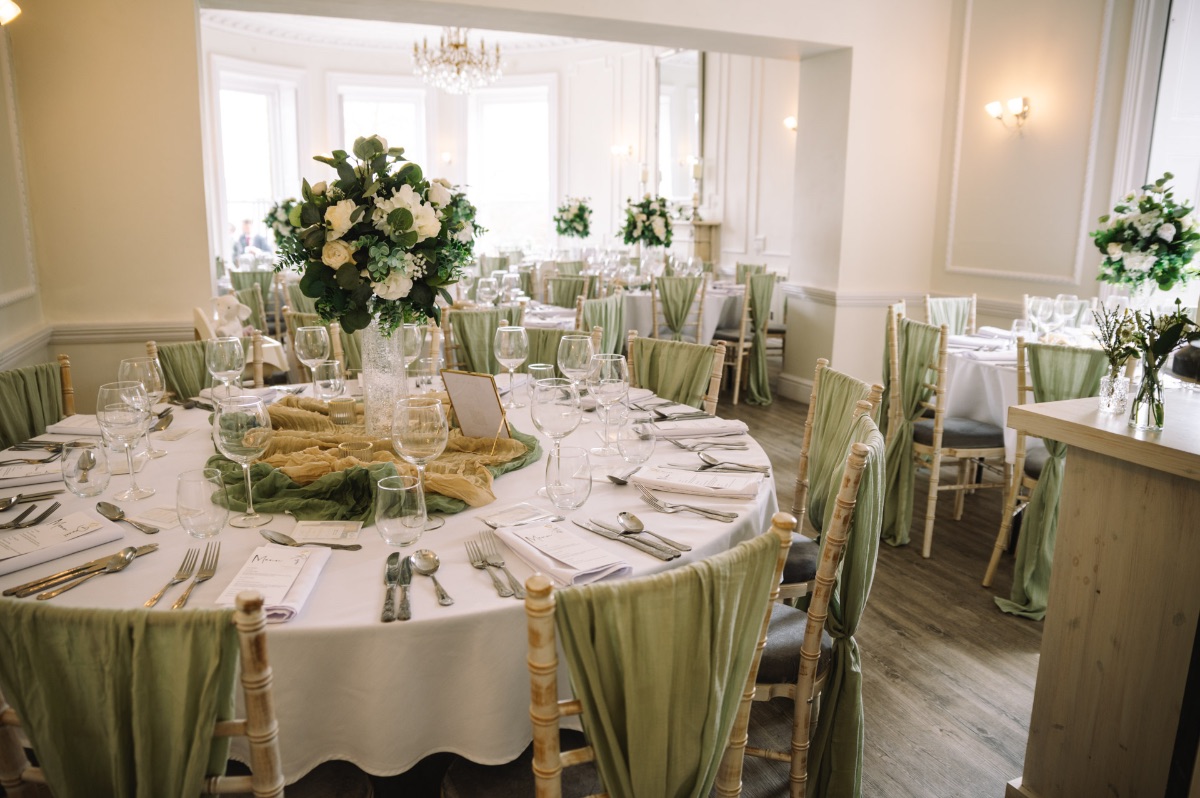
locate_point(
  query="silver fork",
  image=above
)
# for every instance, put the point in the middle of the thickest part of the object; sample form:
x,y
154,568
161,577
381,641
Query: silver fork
x,y
208,569
20,523
668,507
491,555
185,570
476,556
700,447
32,460
13,524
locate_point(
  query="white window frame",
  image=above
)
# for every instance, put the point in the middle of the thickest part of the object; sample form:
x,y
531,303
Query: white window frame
x,y
399,87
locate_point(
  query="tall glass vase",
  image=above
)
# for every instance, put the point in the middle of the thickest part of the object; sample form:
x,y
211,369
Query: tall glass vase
x,y
1146,412
383,378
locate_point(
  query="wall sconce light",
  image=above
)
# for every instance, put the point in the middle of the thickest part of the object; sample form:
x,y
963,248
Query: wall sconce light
x,y
447,158
790,123
8,11
622,150
1017,107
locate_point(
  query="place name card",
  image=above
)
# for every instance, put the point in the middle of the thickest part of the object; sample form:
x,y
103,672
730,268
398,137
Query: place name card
x,y
161,517
327,531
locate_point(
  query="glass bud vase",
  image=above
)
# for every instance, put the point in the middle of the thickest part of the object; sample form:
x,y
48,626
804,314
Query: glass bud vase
x,y
1146,412
1114,394
382,379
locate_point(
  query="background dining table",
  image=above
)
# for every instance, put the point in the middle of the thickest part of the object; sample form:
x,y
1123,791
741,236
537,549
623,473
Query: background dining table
x,y
385,695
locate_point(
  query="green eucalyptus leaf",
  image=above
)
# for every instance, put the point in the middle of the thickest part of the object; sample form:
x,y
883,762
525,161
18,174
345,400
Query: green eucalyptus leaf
x,y
400,219
313,237
373,189
346,172
408,240
355,320
310,214
362,149
357,214
410,173
325,159
348,278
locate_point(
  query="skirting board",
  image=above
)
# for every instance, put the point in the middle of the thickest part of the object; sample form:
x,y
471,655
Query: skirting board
x,y
798,389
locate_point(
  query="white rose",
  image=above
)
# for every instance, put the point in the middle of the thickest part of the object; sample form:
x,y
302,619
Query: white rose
x,y
338,218
660,227
439,192
1146,224
1188,222
394,286
1138,262
467,234
318,189
425,220
336,253
1166,232
1114,250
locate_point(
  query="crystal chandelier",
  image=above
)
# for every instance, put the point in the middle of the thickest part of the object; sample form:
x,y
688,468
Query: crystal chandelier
x,y
453,67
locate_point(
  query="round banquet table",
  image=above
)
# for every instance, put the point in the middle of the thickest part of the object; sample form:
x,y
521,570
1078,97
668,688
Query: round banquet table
x,y
383,696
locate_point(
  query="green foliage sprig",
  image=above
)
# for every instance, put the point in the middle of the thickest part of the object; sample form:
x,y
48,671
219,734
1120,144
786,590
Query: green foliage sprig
x,y
647,222
1149,238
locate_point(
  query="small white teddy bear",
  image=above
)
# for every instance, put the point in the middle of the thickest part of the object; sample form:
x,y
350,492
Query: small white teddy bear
x,y
231,316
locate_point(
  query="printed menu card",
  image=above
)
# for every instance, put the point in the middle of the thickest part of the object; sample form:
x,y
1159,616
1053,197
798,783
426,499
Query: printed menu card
x,y
284,575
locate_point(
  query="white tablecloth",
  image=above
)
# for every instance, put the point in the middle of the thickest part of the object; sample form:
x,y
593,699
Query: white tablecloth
x,y
983,391
386,695
721,310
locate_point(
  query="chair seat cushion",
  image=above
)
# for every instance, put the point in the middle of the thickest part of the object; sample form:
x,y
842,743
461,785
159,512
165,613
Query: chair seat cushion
x,y
776,329
1035,461
781,657
960,433
465,779
728,334
802,559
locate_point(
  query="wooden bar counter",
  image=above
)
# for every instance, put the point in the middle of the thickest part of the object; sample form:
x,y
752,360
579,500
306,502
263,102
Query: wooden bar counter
x,y
1117,647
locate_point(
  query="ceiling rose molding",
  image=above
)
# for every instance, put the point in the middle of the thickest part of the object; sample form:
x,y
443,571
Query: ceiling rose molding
x,y
30,288
356,34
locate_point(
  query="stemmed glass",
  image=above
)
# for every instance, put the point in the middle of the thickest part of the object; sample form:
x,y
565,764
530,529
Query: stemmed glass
x,y
608,381
556,412
411,338
1066,307
419,433
242,431
575,360
1041,313
312,346
512,347
225,359
486,290
123,413
149,373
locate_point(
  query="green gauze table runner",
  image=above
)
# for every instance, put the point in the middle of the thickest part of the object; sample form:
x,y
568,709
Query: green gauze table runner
x,y
120,702
674,370
30,401
676,295
628,644
1057,373
761,288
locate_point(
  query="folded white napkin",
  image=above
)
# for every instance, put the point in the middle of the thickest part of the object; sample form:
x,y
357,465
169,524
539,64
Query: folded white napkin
x,y
970,341
268,395
552,549
994,332
78,424
640,395
997,356
15,476
285,576
106,533
698,428
699,483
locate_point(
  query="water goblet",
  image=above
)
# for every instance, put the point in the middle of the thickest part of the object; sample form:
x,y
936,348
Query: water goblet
x,y
149,373
412,336
1041,313
429,370
399,510
635,441
555,411
123,413
312,347
85,467
225,359
568,477
575,360
608,382
328,381
486,290
511,345
200,502
419,433
242,432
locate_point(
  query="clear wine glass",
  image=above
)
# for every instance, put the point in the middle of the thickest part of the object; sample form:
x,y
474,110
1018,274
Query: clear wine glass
x,y
242,431
412,336
225,359
419,433
200,502
486,290
123,413
575,360
608,382
1066,307
555,410
312,346
511,345
149,373
1041,313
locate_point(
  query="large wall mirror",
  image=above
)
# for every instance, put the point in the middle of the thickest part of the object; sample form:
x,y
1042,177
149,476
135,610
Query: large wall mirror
x,y
680,123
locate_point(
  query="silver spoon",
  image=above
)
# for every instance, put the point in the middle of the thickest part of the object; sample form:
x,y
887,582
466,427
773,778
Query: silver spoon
x,y
713,462
114,513
426,562
633,526
288,540
86,462
115,563
9,501
623,477
162,423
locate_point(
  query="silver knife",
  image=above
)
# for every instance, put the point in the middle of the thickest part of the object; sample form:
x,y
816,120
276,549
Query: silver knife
x,y
405,612
665,549
637,544
667,543
38,585
391,576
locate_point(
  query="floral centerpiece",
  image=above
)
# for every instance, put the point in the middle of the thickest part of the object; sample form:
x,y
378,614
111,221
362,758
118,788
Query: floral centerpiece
x,y
574,218
283,220
1149,238
647,222
381,242
1114,333
1155,337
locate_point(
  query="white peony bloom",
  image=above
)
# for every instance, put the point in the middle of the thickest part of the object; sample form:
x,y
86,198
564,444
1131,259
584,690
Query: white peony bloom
x,y
1138,262
336,254
467,234
1166,232
1146,223
1114,250
338,218
439,192
1188,222
395,286
425,220
660,227
318,189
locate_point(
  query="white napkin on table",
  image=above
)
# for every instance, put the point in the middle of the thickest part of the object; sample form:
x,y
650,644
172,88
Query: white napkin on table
x,y
78,424
16,476
280,610
106,533
997,356
971,341
540,546
994,332
697,428
268,395
700,483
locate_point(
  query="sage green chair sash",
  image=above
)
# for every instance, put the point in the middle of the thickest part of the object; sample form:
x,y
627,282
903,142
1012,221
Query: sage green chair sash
x,y
297,301
184,368
120,702
658,664
674,370
832,421
952,311
744,270
918,346
475,335
1057,373
608,313
243,280
836,750
487,265
543,346
676,295
895,307
351,342
569,268
30,401
761,288
526,275
563,291
258,312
